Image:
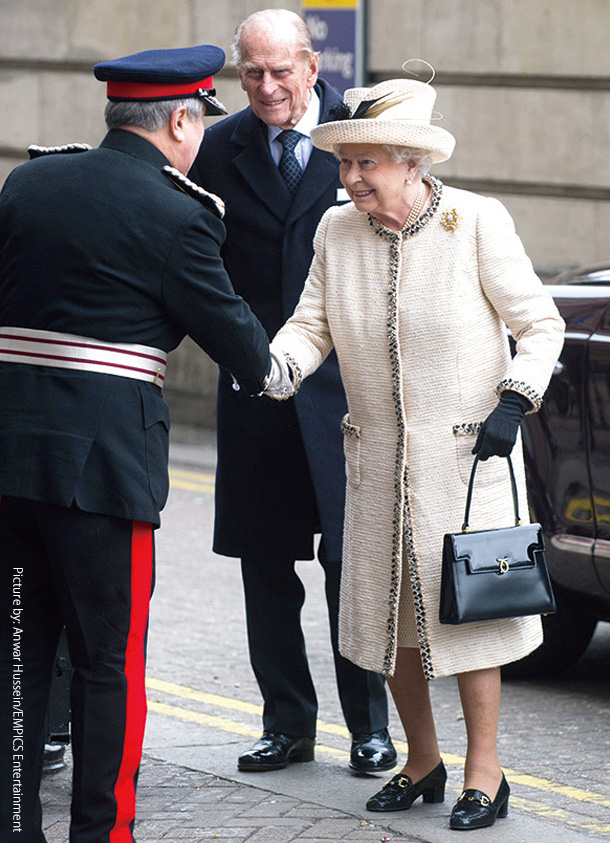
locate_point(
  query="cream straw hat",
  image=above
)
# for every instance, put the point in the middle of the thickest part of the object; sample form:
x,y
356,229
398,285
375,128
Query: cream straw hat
x,y
399,113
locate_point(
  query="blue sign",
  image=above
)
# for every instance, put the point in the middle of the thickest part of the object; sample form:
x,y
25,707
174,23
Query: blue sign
x,y
337,37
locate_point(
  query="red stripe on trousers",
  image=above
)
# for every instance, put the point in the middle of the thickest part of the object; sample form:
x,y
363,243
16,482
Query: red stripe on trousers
x,y
135,713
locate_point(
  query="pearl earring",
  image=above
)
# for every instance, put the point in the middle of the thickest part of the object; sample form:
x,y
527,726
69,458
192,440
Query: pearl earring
x,y
409,181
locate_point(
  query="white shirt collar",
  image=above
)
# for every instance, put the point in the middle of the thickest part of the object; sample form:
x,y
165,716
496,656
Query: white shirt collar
x,y
307,122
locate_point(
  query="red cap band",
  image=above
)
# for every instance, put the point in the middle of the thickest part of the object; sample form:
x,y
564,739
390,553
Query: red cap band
x,y
147,91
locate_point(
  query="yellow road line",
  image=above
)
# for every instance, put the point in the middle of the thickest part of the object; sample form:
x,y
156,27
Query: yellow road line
x,y
559,815
192,487
191,481
218,701
545,784
199,696
186,693
195,475
225,725
221,723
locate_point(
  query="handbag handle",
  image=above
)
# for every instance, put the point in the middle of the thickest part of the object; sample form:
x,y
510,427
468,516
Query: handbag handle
x,y
465,527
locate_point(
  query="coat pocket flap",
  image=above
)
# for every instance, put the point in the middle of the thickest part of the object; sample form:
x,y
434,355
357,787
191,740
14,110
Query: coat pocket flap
x,y
154,409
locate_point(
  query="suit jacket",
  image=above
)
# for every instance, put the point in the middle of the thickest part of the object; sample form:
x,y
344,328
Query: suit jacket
x,y
281,474
103,244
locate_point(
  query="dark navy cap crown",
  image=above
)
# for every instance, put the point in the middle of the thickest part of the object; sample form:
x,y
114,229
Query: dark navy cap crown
x,y
164,74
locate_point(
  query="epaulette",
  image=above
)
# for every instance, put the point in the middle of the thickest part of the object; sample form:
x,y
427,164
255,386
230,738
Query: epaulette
x,y
210,200
35,151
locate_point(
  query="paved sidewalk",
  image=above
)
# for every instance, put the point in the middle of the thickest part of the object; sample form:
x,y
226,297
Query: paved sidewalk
x,y
189,787
178,804
179,801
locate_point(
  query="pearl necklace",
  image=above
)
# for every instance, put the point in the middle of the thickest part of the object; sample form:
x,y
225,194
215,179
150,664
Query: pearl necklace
x,y
416,207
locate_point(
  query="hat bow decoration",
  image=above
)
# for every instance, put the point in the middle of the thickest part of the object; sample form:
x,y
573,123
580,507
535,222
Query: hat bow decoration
x,y
397,112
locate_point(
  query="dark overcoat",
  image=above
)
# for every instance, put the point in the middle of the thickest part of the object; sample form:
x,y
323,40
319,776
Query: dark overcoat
x,y
103,244
280,475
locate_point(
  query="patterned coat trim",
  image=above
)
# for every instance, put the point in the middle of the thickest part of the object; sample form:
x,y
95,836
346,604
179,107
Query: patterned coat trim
x,y
210,200
400,471
296,377
467,428
295,372
523,389
402,529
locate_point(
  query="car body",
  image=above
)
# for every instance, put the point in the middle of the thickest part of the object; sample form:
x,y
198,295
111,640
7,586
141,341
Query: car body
x,y
567,454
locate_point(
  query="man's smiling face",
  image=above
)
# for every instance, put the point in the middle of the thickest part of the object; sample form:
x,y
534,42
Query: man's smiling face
x,y
277,75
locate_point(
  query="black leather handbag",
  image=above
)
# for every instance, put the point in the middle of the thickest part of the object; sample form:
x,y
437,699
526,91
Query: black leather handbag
x,y
489,574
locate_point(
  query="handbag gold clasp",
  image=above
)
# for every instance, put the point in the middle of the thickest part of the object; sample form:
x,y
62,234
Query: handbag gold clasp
x,y
503,566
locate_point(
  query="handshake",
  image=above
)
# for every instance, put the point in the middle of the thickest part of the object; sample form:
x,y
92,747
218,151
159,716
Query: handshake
x,y
281,379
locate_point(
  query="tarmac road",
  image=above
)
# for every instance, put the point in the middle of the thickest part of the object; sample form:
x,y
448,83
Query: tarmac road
x,y
204,709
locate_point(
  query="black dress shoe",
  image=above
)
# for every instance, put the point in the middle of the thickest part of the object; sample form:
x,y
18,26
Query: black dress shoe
x,y
474,809
273,752
372,752
400,793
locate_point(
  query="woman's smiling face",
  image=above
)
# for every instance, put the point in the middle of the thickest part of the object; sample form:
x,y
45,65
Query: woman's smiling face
x,y
374,181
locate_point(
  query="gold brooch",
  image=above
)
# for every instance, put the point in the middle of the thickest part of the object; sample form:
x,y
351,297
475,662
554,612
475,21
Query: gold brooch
x,y
450,220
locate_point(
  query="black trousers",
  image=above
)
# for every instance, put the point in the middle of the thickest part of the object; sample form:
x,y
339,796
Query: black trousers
x,y
274,597
93,574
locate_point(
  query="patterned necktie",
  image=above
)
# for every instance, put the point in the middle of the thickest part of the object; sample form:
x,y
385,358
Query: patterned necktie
x,y
289,166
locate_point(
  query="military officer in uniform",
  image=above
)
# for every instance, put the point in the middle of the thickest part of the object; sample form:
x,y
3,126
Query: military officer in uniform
x,y
108,257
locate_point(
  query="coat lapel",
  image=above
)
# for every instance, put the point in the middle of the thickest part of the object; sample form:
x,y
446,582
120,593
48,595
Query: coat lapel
x,y
322,169
256,166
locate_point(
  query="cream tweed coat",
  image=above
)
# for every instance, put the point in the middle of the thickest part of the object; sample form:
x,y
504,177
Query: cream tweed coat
x,y
419,327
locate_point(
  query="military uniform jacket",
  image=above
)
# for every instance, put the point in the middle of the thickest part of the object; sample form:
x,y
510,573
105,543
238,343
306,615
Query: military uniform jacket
x,y
279,464
103,244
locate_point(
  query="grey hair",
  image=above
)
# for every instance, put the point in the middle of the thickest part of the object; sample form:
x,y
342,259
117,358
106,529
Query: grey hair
x,y
401,154
420,157
148,115
271,18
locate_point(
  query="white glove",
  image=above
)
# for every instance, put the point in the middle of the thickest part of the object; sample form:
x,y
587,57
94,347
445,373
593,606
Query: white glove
x,y
280,384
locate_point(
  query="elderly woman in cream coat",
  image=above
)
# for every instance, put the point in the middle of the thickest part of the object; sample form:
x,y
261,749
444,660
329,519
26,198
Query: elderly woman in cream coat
x,y
413,284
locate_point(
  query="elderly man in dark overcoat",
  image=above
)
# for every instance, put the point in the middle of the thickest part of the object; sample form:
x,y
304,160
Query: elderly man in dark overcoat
x,y
280,476
108,257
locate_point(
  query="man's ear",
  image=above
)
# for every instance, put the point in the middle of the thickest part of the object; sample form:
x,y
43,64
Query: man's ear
x,y
312,70
176,123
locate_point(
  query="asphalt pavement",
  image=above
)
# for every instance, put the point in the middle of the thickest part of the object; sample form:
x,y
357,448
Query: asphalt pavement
x,y
204,709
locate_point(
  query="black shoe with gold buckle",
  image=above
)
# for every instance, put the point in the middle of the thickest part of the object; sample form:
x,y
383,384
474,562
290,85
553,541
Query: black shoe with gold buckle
x,y
474,809
400,793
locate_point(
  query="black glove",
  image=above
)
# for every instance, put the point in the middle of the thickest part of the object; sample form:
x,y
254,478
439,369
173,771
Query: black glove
x,y
498,432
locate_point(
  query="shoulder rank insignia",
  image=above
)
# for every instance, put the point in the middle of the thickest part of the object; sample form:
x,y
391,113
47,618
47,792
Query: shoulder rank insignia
x,y
35,151
210,200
